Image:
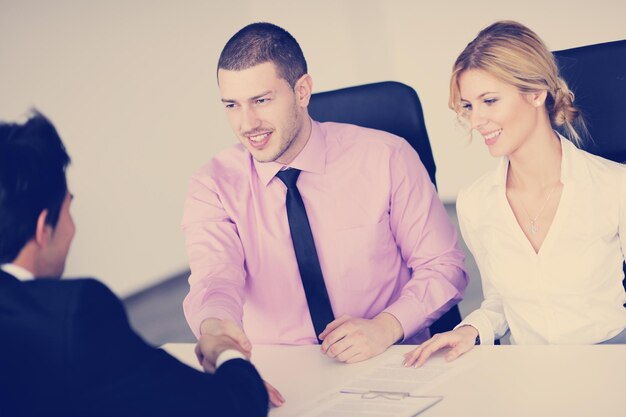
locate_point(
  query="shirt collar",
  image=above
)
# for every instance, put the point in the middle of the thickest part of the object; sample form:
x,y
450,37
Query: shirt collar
x,y
17,271
574,163
573,167
312,158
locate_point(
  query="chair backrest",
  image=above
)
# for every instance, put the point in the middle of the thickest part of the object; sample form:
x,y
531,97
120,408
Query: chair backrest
x,y
390,106
597,76
395,108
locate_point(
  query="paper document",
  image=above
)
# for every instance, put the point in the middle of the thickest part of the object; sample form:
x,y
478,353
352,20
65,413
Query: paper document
x,y
389,390
394,377
344,405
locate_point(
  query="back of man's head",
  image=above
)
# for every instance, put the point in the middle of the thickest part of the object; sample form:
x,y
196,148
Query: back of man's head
x,y
32,179
258,43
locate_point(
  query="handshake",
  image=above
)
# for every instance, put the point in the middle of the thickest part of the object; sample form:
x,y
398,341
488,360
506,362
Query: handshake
x,y
219,337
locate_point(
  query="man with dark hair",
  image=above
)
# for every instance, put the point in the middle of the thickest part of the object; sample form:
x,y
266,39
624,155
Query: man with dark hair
x,y
264,42
312,232
67,348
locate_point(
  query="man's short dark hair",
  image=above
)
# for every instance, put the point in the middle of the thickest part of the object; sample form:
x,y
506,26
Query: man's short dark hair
x,y
258,43
32,178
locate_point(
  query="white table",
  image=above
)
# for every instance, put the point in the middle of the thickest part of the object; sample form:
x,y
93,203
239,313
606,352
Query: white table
x,y
528,381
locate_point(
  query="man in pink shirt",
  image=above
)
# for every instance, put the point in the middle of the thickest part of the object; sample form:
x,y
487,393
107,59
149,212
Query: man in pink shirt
x,y
382,240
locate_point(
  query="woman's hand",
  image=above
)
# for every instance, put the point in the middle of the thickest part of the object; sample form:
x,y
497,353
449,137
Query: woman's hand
x,y
460,340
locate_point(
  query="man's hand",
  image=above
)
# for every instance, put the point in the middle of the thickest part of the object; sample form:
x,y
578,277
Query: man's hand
x,y
209,348
217,327
350,340
276,398
217,336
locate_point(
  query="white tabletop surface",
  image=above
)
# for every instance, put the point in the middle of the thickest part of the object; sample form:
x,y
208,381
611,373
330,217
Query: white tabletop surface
x,y
528,381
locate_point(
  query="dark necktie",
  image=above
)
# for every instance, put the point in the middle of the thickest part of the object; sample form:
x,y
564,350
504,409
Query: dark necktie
x,y
306,254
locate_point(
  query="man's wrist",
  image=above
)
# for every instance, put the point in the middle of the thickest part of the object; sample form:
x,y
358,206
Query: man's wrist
x,y
208,324
227,355
203,326
392,324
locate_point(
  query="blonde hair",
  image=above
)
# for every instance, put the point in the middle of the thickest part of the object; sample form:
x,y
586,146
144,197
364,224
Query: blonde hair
x,y
514,54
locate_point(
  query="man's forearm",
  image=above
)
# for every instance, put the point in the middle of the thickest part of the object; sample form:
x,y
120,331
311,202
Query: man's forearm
x,y
427,296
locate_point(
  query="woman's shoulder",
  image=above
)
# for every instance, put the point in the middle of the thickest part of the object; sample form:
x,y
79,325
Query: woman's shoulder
x,y
601,170
478,191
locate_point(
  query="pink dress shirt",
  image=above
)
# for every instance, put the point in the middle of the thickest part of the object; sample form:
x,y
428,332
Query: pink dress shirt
x,y
382,235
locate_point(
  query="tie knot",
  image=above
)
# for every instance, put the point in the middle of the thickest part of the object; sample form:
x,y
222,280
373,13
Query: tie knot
x,y
289,177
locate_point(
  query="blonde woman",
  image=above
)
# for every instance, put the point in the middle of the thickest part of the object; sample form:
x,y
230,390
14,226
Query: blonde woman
x,y
548,227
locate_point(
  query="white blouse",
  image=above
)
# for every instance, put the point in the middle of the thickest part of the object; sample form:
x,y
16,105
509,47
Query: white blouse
x,y
570,292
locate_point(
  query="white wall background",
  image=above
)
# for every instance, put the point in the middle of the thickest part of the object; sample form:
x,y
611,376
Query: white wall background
x,y
131,88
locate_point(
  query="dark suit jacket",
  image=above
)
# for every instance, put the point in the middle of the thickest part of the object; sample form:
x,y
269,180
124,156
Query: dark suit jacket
x,y
67,350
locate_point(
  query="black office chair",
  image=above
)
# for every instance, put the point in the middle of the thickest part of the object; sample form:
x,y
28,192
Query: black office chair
x,y
597,76
393,107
